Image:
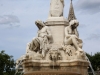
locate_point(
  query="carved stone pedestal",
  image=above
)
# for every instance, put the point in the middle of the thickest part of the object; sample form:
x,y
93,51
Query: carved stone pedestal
x,y
36,67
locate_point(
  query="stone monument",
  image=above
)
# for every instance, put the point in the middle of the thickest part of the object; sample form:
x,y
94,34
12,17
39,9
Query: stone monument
x,y
57,50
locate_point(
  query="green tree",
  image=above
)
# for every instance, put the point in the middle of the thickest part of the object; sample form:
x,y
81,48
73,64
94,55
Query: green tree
x,y
96,61
90,59
7,65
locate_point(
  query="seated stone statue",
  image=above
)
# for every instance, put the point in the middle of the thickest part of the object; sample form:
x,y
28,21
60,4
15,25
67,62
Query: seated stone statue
x,y
42,41
72,36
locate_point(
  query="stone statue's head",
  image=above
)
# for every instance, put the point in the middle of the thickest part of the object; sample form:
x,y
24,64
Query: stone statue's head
x,y
39,24
74,23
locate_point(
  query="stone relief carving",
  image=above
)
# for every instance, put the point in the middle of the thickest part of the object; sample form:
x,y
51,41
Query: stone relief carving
x,y
68,49
55,54
34,56
81,55
56,8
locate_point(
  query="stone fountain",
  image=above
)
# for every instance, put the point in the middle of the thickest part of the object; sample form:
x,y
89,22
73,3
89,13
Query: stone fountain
x,y
57,50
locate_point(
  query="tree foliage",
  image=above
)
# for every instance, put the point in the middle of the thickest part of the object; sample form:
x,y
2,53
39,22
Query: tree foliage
x,y
7,65
95,60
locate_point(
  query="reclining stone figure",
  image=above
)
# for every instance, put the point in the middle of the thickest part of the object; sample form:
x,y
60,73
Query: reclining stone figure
x,y
41,43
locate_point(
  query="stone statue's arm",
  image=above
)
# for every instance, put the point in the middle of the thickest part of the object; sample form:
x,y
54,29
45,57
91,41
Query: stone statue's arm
x,y
48,32
76,33
67,35
49,35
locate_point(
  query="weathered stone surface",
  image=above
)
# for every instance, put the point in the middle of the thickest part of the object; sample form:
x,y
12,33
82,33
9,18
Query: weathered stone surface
x,y
65,67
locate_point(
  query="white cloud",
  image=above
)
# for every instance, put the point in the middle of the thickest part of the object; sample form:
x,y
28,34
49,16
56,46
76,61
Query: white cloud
x,y
9,20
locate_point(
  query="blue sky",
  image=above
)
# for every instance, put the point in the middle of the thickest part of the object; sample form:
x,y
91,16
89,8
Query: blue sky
x,y
17,26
